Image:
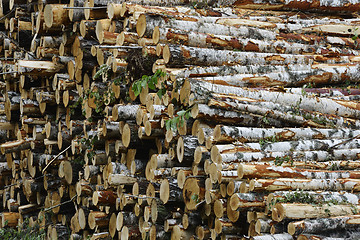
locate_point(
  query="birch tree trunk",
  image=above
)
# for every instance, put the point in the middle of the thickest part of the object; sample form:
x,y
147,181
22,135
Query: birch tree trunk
x,y
177,56
323,105
301,211
204,112
323,224
287,78
264,170
224,133
205,40
282,184
312,5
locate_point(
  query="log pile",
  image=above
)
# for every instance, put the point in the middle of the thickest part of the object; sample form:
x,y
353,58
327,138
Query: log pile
x,y
176,120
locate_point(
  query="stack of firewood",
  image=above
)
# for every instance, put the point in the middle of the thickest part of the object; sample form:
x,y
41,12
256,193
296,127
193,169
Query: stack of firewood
x,y
177,120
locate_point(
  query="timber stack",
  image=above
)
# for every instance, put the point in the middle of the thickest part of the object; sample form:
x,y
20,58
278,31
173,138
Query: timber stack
x,y
181,119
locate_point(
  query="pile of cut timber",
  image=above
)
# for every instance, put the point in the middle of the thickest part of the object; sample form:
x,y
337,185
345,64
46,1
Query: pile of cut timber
x,y
181,119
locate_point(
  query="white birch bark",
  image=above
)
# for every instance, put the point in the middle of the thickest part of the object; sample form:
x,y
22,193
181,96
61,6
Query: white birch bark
x,y
205,112
205,40
271,171
291,114
184,55
280,236
224,133
304,145
287,78
323,105
312,5
210,28
282,184
301,211
323,224
344,157
320,196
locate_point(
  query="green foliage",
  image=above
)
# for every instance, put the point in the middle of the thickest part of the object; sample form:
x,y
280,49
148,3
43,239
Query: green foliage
x,y
354,209
89,144
103,72
101,100
305,197
317,119
270,139
178,120
298,197
24,232
75,105
281,160
150,81
356,35
79,160
117,81
195,198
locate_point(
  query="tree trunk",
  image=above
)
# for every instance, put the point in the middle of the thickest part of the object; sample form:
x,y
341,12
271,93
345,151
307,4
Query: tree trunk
x,y
312,5
301,211
224,133
283,184
270,171
176,56
247,200
231,117
323,105
323,224
281,236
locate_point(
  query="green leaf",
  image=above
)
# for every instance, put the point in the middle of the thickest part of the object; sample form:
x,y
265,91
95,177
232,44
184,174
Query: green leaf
x,y
143,83
151,85
173,124
181,113
161,92
168,124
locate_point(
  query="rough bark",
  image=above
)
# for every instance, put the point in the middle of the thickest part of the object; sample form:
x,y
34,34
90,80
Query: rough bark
x,y
301,211
323,105
283,184
323,224
312,5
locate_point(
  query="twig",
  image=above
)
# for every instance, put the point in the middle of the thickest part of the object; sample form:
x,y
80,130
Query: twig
x,y
8,14
68,201
84,7
199,203
146,197
3,73
47,166
343,142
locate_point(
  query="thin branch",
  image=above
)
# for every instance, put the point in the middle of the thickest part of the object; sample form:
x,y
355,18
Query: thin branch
x,y
344,142
84,7
3,73
47,166
68,201
146,197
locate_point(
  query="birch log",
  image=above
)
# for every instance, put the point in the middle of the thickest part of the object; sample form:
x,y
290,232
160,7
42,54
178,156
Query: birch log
x,y
301,211
323,224
205,40
312,5
224,133
282,184
264,170
210,28
317,77
323,105
202,111
176,56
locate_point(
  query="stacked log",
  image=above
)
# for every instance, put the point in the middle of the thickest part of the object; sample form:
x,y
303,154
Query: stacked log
x,y
155,119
